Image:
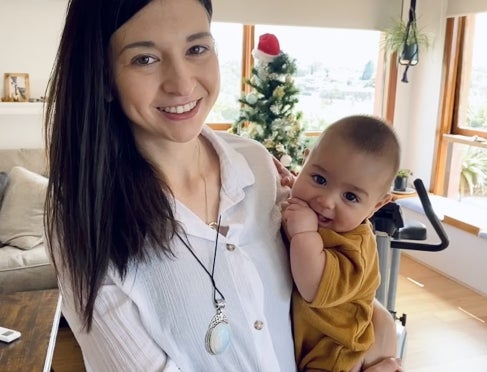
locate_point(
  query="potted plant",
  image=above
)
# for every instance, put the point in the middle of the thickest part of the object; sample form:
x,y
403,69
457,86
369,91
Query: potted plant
x,y
401,180
405,42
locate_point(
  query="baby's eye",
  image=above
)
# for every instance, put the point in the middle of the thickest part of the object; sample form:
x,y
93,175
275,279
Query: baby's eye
x,y
350,196
320,180
144,60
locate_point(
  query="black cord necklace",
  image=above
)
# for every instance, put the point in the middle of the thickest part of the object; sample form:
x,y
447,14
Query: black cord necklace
x,y
218,335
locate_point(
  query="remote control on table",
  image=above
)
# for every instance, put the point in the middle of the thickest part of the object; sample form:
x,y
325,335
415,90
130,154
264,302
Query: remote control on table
x,y
8,335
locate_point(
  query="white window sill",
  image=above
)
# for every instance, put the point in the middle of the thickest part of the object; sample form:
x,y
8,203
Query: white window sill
x,y
466,217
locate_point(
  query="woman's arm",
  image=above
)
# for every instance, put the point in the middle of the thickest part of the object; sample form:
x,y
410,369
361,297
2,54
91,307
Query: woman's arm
x,y
382,355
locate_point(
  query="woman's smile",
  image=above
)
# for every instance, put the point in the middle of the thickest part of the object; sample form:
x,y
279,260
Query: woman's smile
x,y
179,109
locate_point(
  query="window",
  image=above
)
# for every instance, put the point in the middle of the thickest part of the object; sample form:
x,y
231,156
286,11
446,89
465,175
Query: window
x,y
472,108
461,171
337,70
228,38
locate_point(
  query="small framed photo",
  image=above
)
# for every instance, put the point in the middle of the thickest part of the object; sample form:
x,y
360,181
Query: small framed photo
x,y
17,87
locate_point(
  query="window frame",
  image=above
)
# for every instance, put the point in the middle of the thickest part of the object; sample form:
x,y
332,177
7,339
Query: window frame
x,y
466,26
456,62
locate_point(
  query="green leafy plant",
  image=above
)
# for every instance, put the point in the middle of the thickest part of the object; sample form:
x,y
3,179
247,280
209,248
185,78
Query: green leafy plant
x,y
474,171
394,37
404,172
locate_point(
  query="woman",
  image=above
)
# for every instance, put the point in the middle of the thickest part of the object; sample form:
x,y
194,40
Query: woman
x,y
165,234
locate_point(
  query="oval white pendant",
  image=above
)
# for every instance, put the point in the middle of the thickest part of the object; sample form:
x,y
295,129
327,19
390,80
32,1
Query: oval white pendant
x,y
218,338
219,334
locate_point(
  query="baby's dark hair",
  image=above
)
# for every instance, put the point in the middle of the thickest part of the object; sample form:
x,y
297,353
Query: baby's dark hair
x,y
369,134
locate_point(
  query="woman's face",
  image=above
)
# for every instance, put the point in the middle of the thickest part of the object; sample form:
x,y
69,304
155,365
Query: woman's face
x,y
166,70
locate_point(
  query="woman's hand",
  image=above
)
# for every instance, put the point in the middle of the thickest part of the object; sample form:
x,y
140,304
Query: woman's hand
x,y
287,178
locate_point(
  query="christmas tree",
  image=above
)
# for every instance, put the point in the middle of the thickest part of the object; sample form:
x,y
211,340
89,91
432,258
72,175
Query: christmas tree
x,y
268,112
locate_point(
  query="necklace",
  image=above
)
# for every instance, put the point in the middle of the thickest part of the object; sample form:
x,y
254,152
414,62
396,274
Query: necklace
x,y
218,336
212,224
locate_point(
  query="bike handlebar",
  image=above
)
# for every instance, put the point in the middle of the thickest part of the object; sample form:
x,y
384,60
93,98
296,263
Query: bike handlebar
x,y
433,219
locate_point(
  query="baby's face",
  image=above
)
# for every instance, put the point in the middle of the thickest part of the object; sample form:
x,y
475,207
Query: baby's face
x,y
342,185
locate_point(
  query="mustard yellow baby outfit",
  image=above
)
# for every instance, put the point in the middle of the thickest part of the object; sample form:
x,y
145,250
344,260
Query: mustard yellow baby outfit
x,y
335,330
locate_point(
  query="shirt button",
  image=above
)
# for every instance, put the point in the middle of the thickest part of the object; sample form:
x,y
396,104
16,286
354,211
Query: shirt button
x,y
258,325
231,247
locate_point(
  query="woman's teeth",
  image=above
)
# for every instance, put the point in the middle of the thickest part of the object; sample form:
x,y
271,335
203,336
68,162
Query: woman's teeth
x,y
180,109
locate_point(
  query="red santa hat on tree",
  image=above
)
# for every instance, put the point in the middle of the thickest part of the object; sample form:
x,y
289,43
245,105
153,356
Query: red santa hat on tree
x,y
268,48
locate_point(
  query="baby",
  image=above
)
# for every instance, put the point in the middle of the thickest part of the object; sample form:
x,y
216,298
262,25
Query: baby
x,y
347,176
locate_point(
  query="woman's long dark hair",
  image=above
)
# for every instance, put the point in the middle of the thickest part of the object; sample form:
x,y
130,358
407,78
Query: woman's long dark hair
x,y
105,202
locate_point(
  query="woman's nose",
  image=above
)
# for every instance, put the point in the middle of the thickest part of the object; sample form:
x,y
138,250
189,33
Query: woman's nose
x,y
178,79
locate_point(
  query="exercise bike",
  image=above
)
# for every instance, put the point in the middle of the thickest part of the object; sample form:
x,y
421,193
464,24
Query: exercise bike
x,y
394,234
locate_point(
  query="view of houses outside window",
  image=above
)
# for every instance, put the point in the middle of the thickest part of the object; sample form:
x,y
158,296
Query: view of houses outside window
x,y
337,70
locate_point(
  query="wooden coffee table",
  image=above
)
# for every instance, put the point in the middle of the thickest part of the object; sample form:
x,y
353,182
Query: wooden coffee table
x,y
36,315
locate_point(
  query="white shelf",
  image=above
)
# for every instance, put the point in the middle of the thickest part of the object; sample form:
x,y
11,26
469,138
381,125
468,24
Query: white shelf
x,y
21,108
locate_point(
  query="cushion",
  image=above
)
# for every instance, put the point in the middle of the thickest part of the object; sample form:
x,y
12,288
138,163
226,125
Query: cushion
x,y
25,270
22,210
33,159
3,185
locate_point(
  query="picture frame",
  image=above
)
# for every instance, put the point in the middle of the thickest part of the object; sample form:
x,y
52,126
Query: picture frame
x,y
16,87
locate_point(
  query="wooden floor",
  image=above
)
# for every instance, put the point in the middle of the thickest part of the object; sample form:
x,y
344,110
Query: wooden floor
x,y
67,354
446,325
446,322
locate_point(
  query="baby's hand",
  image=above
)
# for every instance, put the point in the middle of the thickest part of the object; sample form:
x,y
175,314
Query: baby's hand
x,y
299,217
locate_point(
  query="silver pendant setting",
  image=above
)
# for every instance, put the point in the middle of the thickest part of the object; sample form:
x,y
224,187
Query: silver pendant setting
x,y
219,333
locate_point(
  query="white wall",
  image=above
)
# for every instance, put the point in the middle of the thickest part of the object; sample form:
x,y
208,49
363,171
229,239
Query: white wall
x,y
370,14
418,101
457,7
29,36
463,260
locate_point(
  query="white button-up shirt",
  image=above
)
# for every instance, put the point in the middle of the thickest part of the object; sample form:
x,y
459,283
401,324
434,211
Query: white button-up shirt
x,y
157,317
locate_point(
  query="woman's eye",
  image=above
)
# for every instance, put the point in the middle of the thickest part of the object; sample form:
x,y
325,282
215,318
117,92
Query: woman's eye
x,y
144,60
351,197
197,49
320,180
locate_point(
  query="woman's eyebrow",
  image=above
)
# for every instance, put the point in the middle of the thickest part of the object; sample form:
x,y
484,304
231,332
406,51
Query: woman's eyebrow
x,y
137,44
151,44
199,35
